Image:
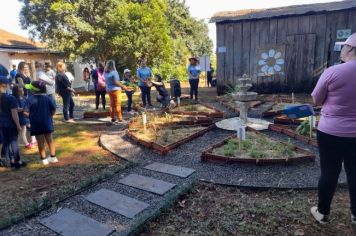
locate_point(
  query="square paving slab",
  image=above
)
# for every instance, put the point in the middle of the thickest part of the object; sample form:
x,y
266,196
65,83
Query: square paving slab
x,y
70,223
147,184
170,169
116,202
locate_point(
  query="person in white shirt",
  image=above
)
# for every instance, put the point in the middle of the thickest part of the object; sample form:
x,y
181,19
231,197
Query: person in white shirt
x,y
41,75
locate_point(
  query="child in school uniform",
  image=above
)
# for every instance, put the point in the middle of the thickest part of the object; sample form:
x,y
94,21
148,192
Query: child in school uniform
x,y
18,93
41,109
9,125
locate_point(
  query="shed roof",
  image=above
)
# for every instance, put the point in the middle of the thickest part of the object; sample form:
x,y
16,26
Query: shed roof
x,y
253,14
14,41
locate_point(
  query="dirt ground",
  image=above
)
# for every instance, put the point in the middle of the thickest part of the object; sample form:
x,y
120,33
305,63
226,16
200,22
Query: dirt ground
x,y
81,163
215,210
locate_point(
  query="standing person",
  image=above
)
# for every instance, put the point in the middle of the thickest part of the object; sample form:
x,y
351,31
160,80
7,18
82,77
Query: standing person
x,y
336,135
99,86
41,75
23,76
130,83
51,74
114,87
144,74
163,95
210,75
41,109
194,73
18,93
9,125
13,73
86,78
64,89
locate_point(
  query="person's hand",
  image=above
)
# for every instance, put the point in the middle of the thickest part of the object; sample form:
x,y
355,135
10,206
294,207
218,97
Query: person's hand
x,y
19,129
20,109
125,88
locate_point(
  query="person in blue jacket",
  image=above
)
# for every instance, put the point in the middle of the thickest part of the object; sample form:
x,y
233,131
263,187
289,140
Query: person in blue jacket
x,y
144,74
194,73
9,125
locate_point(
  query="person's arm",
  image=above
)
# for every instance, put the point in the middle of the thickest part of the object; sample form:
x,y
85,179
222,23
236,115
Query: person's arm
x,y
14,113
118,82
321,89
19,80
52,107
67,84
44,78
139,77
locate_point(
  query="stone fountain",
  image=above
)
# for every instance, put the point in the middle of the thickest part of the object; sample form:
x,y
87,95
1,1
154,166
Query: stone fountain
x,y
243,96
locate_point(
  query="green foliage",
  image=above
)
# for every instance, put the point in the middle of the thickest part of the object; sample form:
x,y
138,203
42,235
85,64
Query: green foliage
x,y
163,31
304,128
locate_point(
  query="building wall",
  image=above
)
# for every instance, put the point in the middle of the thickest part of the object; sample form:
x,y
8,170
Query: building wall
x,y
308,43
5,60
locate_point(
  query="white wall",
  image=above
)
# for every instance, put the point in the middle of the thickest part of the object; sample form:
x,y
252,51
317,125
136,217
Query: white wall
x,y
78,74
5,60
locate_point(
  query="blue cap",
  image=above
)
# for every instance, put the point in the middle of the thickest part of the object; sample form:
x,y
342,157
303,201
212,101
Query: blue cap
x,y
4,80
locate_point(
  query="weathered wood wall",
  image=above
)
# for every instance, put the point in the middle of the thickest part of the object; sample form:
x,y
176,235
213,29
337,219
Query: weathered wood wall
x,y
302,69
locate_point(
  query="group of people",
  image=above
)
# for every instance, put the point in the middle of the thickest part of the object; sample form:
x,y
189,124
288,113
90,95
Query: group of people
x,y
27,104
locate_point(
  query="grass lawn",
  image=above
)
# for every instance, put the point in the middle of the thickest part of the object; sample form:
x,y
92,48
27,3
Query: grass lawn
x,y
81,163
216,210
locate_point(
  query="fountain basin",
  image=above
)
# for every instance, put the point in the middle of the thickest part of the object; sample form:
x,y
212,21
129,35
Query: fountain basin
x,y
244,97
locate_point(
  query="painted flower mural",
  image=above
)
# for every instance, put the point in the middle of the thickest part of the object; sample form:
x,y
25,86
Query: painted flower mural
x,y
271,62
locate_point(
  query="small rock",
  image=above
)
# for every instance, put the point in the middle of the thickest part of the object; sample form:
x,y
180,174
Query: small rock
x,y
299,232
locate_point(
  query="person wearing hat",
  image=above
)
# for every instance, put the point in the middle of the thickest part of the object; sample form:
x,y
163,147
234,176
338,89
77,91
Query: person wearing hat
x,y
9,125
336,135
194,73
41,109
130,83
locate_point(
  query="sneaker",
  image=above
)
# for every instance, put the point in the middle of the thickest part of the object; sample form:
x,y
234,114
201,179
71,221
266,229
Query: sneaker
x,y
18,165
45,161
52,159
321,218
353,220
70,121
29,146
34,143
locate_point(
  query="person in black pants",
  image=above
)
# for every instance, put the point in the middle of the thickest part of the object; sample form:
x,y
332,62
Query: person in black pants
x,y
163,95
9,125
194,73
210,75
65,90
99,86
335,92
129,81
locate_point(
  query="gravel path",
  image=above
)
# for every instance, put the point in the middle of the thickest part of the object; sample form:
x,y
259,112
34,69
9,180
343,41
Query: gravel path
x,y
297,176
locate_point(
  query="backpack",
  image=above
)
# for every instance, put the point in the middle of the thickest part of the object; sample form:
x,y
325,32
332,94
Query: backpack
x,y
101,87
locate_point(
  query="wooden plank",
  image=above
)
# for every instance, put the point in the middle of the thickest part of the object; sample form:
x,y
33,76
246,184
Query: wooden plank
x,y
320,60
290,66
309,62
263,29
273,29
237,66
282,40
229,63
303,24
253,51
292,25
246,46
220,70
352,21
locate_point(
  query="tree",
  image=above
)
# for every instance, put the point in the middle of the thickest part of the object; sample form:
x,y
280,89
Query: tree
x,y
124,30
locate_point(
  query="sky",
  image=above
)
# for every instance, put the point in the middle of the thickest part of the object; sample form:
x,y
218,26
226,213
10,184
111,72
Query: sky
x,y
200,9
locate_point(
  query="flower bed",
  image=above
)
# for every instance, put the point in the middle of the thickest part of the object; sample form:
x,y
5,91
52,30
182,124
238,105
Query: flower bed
x,y
164,139
96,114
257,149
166,120
198,110
290,130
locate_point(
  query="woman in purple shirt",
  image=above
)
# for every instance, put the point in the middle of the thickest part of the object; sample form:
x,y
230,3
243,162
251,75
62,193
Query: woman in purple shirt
x,y
336,93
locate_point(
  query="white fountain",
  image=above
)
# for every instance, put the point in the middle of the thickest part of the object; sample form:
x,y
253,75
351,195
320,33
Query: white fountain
x,y
242,99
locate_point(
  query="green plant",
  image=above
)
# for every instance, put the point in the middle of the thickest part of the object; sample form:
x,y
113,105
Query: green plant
x,y
304,128
256,154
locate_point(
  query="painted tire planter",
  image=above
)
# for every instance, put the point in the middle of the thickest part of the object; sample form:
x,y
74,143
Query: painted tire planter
x,y
164,149
290,131
94,114
210,156
214,114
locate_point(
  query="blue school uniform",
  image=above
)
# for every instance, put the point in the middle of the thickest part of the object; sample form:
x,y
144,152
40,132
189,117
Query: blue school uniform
x,y
40,108
7,103
22,118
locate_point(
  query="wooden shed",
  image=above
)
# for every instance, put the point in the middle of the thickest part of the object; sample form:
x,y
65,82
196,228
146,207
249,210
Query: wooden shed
x,y
282,49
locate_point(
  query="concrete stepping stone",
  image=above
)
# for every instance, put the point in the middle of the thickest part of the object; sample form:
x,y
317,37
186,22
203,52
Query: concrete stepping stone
x,y
147,184
170,169
69,223
116,202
